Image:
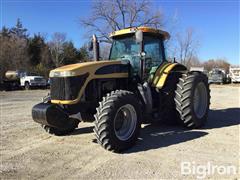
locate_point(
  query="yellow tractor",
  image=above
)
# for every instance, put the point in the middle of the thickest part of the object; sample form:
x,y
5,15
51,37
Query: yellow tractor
x,y
136,85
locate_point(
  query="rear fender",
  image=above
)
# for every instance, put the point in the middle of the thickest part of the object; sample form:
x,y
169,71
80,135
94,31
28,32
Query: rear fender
x,y
163,71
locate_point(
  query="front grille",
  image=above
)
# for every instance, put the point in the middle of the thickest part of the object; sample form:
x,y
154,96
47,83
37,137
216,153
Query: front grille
x,y
66,88
38,79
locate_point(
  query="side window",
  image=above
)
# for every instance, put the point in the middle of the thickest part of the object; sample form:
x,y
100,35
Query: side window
x,y
152,47
117,50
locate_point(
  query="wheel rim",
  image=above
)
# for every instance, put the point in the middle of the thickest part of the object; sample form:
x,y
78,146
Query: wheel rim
x,y
200,100
125,122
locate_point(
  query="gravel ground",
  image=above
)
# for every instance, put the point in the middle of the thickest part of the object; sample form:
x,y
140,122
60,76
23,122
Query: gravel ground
x,y
27,152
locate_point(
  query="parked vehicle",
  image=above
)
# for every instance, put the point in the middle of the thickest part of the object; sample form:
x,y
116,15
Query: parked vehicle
x,y
22,79
199,69
29,80
234,74
196,68
218,76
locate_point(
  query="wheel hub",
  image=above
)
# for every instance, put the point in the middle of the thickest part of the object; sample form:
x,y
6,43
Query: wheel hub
x,y
125,122
200,100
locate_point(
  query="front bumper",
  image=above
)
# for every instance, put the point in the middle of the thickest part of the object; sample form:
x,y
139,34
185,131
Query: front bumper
x,y
51,115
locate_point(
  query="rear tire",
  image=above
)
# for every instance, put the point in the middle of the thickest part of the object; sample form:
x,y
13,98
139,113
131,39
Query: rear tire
x,y
168,107
192,98
61,132
118,121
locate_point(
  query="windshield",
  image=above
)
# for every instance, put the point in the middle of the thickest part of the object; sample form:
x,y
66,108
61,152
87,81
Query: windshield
x,y
28,74
124,46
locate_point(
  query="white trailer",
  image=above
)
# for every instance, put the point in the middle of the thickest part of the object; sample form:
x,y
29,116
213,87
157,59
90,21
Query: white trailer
x,y
196,68
234,73
17,79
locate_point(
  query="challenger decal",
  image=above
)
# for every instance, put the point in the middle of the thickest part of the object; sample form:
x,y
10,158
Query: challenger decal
x,y
114,68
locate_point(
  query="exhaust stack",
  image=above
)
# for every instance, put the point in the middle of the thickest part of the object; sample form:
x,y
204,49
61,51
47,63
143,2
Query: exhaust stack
x,y
95,48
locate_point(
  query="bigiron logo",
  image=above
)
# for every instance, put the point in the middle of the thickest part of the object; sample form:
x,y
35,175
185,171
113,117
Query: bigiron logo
x,y
201,171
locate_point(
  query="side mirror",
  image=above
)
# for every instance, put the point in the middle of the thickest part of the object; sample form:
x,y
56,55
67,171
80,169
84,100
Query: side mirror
x,y
139,36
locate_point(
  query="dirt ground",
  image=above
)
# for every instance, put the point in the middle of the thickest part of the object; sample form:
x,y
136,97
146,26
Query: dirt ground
x,y
27,152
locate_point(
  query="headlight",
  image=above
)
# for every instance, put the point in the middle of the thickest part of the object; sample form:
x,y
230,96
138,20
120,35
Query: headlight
x,y
62,74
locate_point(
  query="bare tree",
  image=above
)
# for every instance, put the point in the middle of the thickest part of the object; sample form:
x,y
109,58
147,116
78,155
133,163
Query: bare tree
x,y
186,46
13,54
217,63
105,50
56,47
194,62
108,16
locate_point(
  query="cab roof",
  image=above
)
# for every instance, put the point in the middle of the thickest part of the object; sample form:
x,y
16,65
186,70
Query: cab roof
x,y
143,29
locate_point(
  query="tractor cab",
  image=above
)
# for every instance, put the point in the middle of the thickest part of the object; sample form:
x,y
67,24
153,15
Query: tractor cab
x,y
143,47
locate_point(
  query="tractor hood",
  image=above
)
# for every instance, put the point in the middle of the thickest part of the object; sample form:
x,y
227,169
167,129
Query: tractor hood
x,y
93,67
68,83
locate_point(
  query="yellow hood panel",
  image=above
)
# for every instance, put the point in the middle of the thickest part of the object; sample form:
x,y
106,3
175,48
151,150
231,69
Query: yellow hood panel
x,y
80,68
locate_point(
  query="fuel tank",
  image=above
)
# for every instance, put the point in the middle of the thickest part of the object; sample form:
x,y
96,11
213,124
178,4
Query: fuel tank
x,y
12,75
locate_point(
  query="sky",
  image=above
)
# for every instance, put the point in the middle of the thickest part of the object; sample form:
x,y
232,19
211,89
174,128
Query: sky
x,y
215,23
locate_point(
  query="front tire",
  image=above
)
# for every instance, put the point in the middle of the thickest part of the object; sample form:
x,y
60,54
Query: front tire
x,y
118,121
192,98
27,86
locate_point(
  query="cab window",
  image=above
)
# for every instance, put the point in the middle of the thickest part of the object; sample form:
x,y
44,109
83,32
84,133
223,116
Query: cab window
x,y
153,48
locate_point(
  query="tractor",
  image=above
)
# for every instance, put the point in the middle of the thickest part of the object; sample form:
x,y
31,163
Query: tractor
x,y
136,85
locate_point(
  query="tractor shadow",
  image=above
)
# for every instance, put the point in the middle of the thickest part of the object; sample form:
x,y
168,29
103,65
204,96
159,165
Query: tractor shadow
x,y
82,130
218,118
154,136
158,136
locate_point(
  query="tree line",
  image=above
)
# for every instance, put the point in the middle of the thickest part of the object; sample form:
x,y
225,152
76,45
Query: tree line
x,y
36,54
